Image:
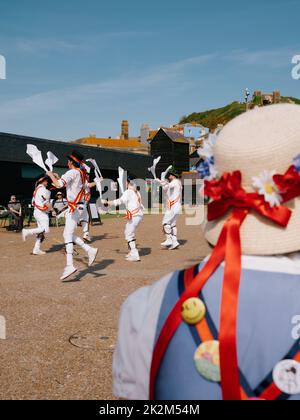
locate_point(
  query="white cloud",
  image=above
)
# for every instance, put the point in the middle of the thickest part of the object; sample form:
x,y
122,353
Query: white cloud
x,y
160,76
271,58
36,46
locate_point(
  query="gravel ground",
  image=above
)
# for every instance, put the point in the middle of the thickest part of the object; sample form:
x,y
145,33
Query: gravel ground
x,y
61,336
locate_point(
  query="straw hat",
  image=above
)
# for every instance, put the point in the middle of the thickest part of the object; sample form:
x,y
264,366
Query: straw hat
x,y
262,139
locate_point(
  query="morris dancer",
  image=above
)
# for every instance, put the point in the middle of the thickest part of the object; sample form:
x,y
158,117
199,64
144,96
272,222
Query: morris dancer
x,y
173,188
42,206
134,214
75,182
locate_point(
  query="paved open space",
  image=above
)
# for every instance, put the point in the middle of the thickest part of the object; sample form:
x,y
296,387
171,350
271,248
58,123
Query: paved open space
x,y
61,336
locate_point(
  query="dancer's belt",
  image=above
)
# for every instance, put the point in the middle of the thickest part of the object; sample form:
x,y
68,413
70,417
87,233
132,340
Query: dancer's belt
x,y
44,208
74,204
171,203
131,214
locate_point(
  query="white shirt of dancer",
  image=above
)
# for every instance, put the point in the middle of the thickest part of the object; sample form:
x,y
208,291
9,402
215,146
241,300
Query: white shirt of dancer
x,y
41,199
72,181
173,189
132,200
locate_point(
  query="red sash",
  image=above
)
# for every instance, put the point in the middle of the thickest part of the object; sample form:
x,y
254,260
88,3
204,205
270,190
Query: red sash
x,y
171,203
131,214
45,207
73,204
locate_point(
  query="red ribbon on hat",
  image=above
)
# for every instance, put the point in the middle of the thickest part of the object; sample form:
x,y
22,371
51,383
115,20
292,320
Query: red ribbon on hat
x,y
227,194
288,184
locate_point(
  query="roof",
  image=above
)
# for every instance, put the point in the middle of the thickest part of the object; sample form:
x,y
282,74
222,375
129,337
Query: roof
x,y
13,149
132,143
175,136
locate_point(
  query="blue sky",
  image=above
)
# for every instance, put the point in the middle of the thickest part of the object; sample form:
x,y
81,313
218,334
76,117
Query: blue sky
x,y
79,67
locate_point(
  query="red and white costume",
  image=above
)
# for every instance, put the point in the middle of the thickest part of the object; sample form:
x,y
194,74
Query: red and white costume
x,y
173,192
41,204
75,183
132,200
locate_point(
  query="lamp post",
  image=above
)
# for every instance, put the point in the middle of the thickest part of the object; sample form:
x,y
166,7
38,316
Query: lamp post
x,y
247,95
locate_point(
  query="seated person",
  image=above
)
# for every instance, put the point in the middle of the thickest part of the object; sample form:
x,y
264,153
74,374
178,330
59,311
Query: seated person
x,y
16,213
59,205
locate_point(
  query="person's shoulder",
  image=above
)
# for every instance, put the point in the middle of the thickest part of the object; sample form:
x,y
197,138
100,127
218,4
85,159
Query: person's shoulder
x,y
71,171
70,174
41,189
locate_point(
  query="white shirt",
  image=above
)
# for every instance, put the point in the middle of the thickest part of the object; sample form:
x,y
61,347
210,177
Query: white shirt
x,y
72,181
138,324
173,190
41,198
132,200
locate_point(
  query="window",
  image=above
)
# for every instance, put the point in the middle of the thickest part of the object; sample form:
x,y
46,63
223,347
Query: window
x,y
33,171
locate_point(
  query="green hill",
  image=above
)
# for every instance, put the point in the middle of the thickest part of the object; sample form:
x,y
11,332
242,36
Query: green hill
x,y
213,117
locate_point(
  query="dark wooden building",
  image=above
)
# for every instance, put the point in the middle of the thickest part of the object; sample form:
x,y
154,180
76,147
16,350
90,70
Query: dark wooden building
x,y
18,173
173,148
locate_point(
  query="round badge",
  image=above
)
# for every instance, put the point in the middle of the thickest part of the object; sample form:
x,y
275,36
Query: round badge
x,y
207,361
286,376
193,311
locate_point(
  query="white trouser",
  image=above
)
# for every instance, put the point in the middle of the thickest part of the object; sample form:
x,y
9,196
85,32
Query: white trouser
x,y
42,220
171,215
131,227
70,238
170,221
85,219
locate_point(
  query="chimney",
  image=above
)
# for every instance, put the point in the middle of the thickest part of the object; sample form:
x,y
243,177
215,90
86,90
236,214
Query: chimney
x,y
125,130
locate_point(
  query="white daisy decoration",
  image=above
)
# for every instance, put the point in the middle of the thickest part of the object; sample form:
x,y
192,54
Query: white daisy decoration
x,y
213,173
265,185
206,150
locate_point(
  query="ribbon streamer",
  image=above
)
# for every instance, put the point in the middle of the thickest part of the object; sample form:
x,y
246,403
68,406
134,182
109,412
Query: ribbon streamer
x,y
51,160
164,174
99,176
121,180
37,158
153,167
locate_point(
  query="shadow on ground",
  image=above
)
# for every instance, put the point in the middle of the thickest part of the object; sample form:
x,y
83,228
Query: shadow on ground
x,y
91,270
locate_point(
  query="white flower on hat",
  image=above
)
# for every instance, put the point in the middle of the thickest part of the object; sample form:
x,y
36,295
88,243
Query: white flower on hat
x,y
266,186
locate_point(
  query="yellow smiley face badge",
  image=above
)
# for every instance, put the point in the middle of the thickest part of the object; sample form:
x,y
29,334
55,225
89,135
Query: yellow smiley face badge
x,y
193,311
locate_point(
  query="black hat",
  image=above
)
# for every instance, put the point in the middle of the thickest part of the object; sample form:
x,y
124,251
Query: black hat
x,y
173,172
76,157
130,178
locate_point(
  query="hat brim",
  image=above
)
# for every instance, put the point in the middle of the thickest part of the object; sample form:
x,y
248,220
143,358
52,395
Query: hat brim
x,y
173,174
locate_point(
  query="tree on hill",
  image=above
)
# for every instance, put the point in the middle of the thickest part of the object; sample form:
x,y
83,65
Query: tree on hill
x,y
213,117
